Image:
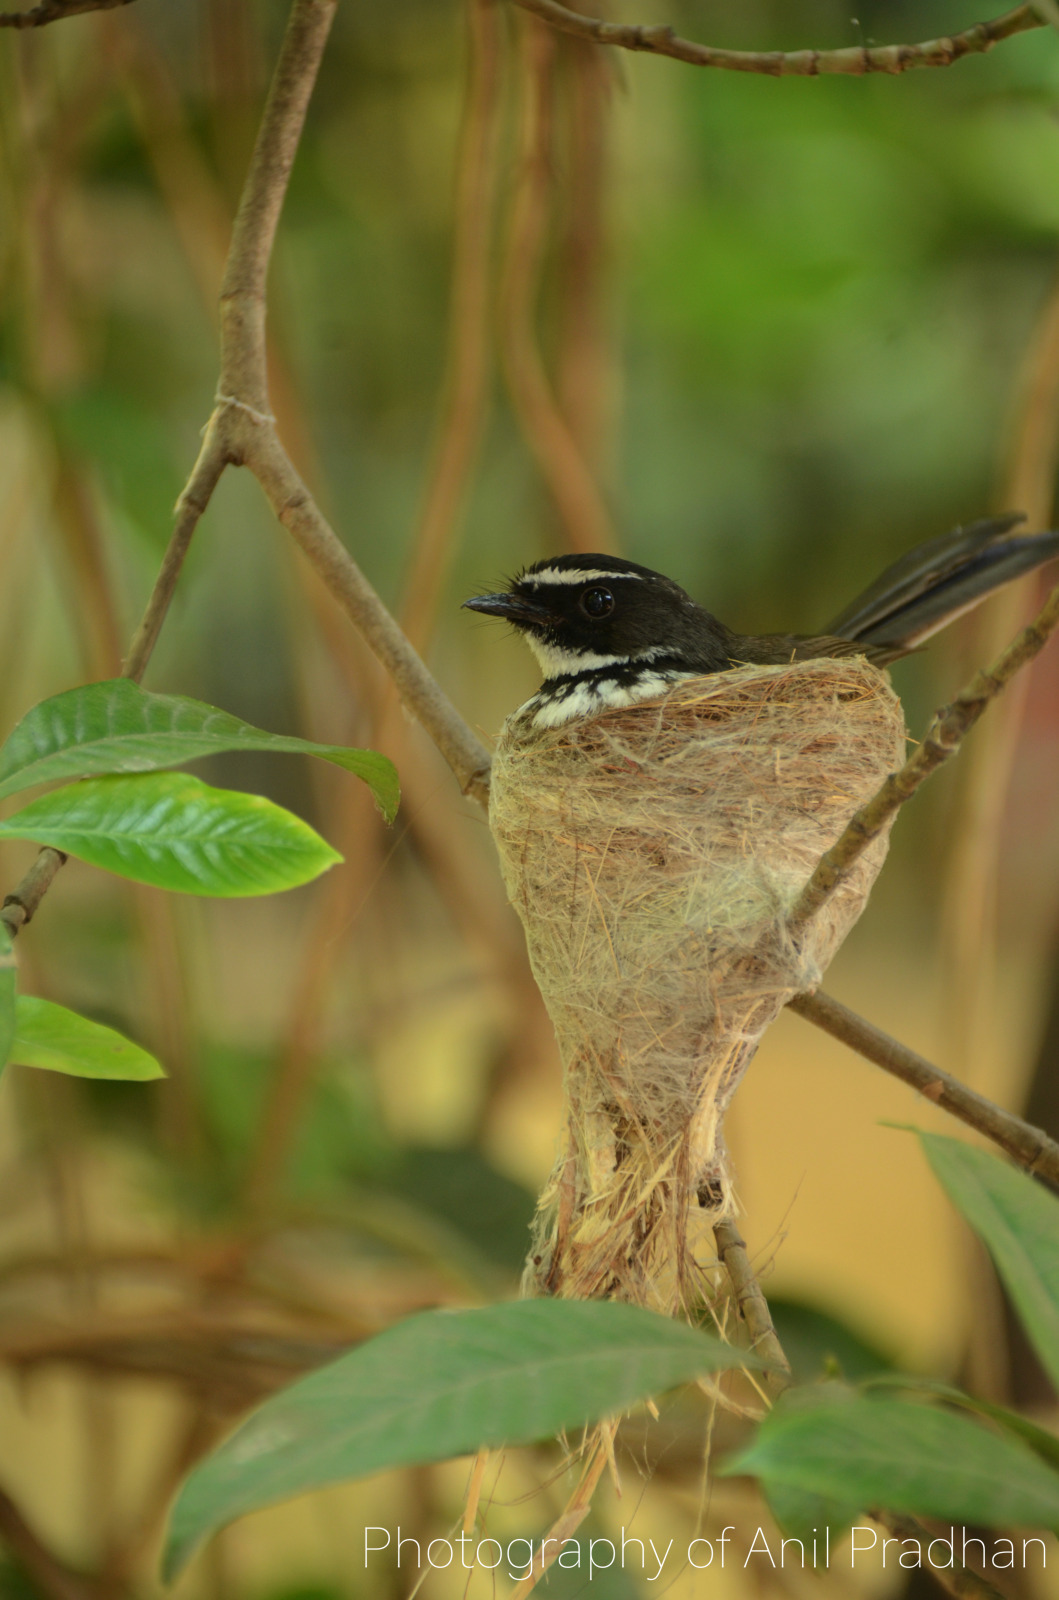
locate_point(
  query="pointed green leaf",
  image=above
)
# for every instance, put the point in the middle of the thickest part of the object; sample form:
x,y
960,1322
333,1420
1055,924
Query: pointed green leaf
x,y
1040,1441
7,994
1018,1221
442,1384
894,1455
50,1036
116,726
800,1513
176,832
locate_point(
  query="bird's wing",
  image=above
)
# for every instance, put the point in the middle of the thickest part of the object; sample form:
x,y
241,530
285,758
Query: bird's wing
x,y
933,583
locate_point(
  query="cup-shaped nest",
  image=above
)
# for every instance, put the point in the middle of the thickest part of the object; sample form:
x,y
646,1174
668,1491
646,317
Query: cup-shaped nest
x,y
653,854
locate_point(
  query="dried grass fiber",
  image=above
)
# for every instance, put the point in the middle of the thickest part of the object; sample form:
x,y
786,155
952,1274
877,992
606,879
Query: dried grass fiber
x,y
652,854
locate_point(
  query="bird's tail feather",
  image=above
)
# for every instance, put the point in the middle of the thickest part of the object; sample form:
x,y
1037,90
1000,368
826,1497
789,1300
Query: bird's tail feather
x,y
929,586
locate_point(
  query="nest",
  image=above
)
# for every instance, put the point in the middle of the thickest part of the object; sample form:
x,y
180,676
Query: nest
x,y
653,854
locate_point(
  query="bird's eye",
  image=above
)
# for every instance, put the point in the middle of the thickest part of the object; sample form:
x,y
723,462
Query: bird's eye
x,y
597,602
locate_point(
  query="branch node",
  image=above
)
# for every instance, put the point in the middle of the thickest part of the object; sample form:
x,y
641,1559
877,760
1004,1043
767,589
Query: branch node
x,y
224,401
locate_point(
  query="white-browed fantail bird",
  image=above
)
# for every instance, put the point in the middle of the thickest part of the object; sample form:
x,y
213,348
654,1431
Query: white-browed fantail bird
x,y
608,633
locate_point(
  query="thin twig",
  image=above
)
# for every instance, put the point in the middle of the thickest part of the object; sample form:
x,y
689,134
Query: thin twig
x,y
465,387
582,511
977,828
856,61
22,902
750,1298
241,430
1029,1146
192,503
943,739
55,11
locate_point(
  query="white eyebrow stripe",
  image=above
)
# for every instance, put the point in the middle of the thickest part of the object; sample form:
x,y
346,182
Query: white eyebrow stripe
x,y
561,575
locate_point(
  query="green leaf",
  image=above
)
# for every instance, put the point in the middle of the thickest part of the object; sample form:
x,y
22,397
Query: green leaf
x,y
116,726
1040,1441
50,1036
898,1456
1018,1221
177,833
800,1513
815,1341
7,994
437,1385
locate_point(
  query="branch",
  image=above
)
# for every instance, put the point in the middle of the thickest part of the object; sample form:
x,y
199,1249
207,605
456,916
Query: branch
x,y
943,738
55,11
22,902
856,61
750,1298
241,431
245,429
465,387
582,511
1029,1146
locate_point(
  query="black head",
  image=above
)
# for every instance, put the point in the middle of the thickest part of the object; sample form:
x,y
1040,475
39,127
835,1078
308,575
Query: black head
x,y
580,613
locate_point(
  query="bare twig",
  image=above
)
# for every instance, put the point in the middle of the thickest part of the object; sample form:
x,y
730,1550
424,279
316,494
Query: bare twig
x,y
55,11
980,820
1029,1146
750,1298
467,364
241,430
582,511
192,503
943,739
583,346
856,61
23,901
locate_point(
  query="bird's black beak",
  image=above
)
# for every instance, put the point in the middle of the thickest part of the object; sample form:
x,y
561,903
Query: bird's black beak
x,y
514,608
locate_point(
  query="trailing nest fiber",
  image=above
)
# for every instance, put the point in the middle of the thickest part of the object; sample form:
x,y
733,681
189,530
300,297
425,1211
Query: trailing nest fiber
x,y
653,854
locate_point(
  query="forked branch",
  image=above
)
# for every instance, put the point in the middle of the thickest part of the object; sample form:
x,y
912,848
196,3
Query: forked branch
x,y
241,431
856,61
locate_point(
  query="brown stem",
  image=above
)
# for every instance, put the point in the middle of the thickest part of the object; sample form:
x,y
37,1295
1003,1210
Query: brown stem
x,y
243,380
23,901
241,430
750,1298
1029,1146
582,346
972,876
192,503
55,11
467,364
942,740
581,508
422,695
855,61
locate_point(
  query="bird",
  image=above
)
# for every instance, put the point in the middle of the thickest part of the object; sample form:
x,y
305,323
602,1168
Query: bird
x,y
608,633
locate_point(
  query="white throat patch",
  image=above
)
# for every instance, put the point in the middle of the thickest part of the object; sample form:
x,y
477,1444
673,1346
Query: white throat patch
x,y
555,662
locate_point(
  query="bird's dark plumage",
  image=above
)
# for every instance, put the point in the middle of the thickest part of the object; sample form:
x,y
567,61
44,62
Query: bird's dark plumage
x,y
608,632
